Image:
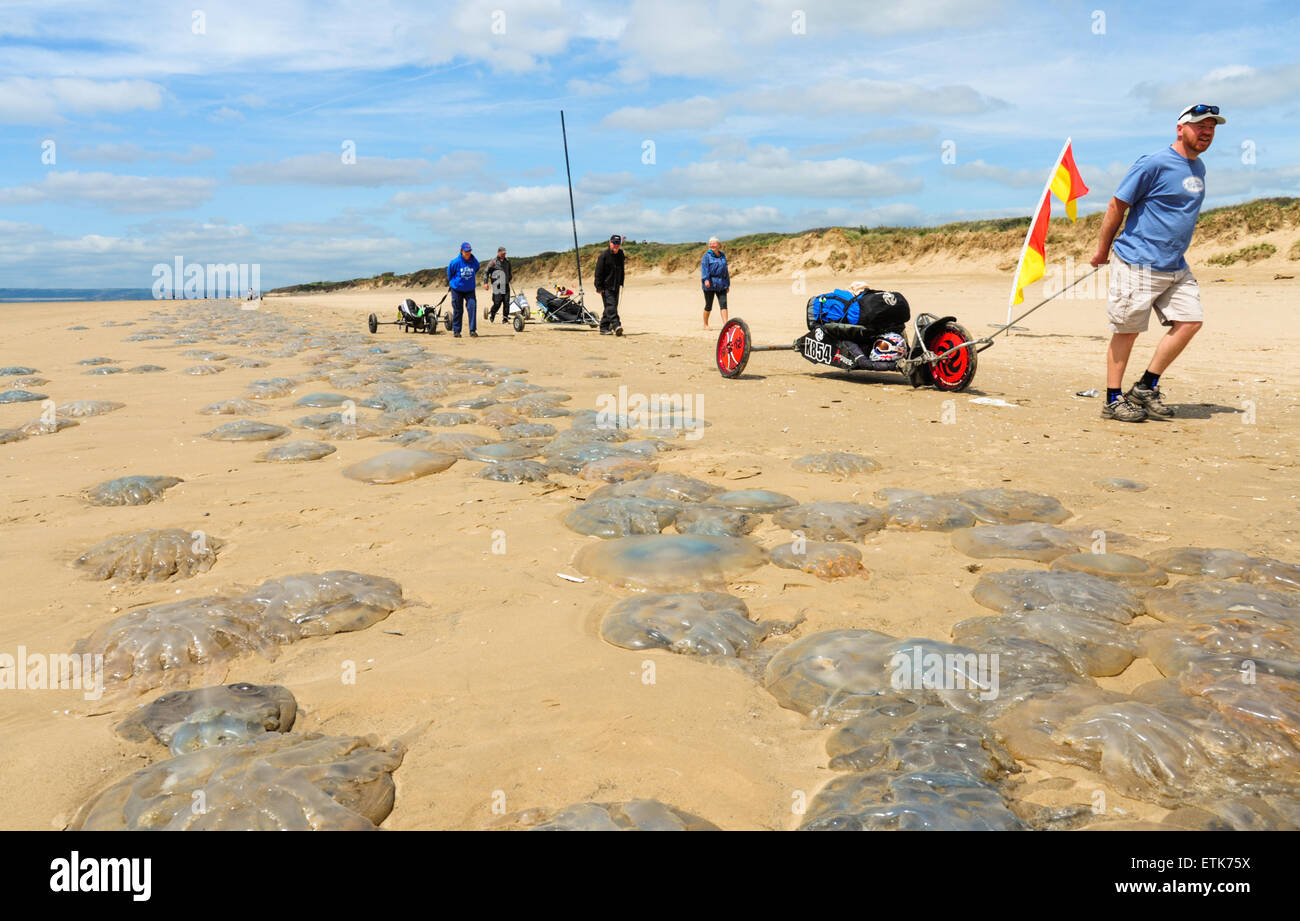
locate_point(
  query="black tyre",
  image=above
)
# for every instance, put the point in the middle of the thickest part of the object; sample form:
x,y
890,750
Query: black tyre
x,y
373,322
446,322
518,323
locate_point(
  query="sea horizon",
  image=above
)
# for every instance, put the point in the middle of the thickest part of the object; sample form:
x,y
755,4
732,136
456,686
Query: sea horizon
x,y
38,295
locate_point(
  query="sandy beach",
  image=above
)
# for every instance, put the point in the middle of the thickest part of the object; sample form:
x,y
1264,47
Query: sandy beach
x,y
494,675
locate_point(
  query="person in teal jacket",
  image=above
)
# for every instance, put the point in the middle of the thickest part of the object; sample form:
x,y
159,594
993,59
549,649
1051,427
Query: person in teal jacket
x,y
714,279
461,272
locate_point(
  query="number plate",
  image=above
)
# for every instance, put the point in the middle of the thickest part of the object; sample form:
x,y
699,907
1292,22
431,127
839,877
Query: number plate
x,y
820,352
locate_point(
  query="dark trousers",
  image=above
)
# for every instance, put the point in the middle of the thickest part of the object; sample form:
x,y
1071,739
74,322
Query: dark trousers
x,y
609,319
709,294
463,300
501,301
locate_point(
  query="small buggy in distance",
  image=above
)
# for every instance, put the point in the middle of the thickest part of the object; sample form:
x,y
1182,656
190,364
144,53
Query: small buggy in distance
x,y
561,308
413,317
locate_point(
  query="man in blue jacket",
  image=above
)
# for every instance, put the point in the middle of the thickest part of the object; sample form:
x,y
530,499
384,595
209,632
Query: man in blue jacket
x,y
461,272
715,279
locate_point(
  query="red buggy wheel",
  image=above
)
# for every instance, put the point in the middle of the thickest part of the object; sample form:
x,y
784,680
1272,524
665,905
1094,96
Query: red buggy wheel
x,y
733,348
956,371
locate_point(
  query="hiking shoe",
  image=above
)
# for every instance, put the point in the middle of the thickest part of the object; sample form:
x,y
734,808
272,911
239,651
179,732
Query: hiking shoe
x,y
1123,411
473,334
619,331
606,332
1149,399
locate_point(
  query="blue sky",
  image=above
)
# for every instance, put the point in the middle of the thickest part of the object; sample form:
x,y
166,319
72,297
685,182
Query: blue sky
x,y
218,132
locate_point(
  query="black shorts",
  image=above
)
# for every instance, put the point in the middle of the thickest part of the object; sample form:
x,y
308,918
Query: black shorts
x,y
709,294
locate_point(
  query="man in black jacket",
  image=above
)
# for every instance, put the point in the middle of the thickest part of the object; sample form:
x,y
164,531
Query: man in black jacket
x,y
496,279
609,279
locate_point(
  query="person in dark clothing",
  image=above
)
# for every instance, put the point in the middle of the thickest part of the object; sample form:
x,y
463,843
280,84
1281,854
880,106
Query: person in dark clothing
x,y
609,279
460,278
497,276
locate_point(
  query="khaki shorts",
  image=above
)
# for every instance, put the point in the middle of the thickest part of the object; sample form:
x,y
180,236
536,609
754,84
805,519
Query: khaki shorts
x,y
1136,290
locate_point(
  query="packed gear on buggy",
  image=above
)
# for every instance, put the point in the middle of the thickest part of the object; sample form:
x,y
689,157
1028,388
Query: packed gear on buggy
x,y
414,317
863,326
558,308
866,330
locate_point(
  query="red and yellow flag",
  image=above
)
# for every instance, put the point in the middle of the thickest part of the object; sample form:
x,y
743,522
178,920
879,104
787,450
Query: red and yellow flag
x,y
1066,184
1033,259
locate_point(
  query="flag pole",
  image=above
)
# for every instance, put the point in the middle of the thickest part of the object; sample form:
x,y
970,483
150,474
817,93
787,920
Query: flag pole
x,y
1010,321
1047,189
577,258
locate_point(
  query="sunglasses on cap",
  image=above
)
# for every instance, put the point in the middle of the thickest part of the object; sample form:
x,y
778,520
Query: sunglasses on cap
x,y
1200,110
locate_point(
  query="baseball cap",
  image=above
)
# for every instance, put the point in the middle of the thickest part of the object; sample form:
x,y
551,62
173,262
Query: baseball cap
x,y
465,246
616,239
501,249
1199,113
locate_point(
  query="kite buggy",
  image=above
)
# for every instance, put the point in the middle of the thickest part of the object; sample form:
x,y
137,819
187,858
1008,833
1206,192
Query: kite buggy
x,y
866,330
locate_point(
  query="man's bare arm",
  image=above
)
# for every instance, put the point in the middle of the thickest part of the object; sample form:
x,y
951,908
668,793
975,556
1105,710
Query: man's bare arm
x,y
1115,212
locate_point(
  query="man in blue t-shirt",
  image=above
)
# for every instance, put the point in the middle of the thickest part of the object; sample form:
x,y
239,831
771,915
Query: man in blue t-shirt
x,y
460,278
1147,269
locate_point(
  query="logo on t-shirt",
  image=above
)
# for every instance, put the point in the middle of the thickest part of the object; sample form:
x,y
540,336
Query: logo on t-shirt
x,y
1194,184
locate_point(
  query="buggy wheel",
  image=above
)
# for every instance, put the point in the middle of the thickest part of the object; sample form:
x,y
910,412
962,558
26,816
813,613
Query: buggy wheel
x,y
733,348
373,322
430,324
446,322
518,323
955,372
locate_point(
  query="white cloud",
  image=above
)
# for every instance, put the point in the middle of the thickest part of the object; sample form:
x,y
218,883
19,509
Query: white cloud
x,y
1233,85
30,101
769,172
684,114
864,96
328,169
130,153
118,193
978,170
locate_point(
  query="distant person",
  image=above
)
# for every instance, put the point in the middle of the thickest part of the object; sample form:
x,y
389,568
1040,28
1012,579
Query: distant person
x,y
1148,269
609,279
715,279
498,275
461,272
